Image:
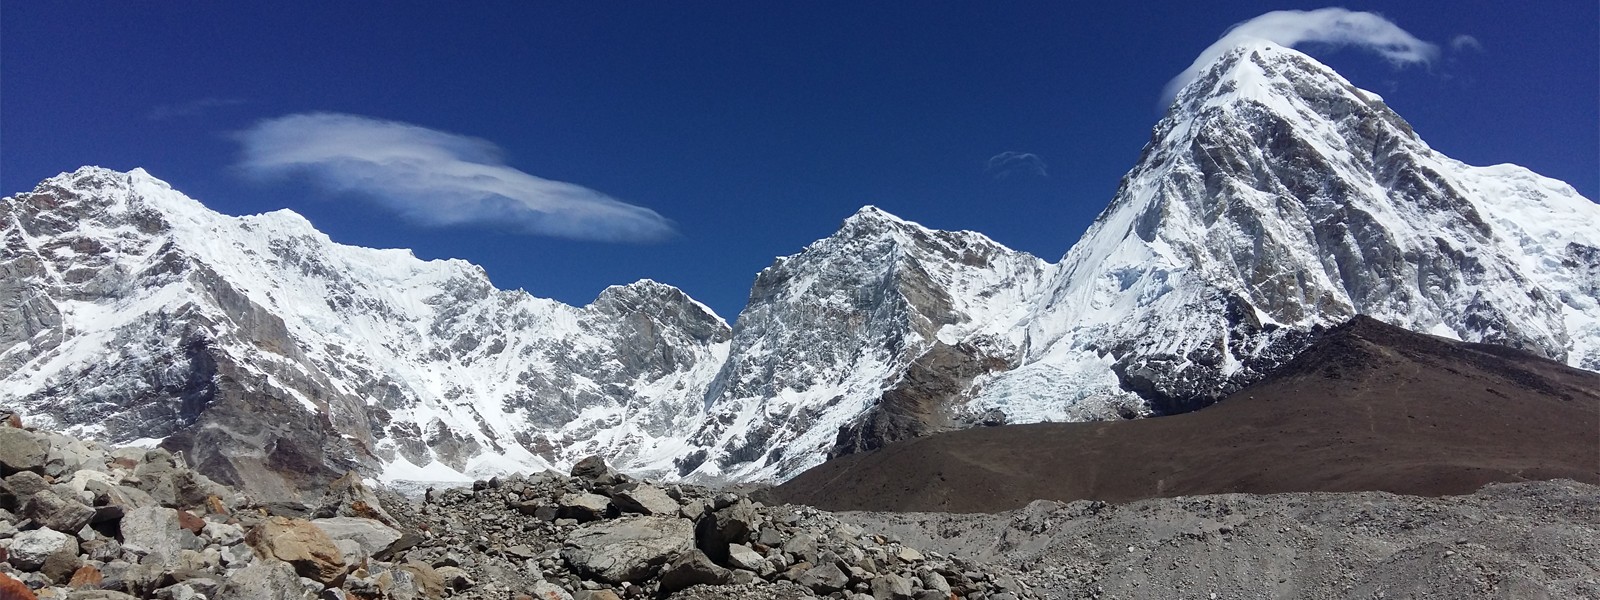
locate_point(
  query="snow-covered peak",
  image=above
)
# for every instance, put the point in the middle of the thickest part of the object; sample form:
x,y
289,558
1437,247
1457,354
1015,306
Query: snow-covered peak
x,y
1276,197
1265,73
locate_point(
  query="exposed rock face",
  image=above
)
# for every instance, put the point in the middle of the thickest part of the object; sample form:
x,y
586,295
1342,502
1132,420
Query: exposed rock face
x,y
829,331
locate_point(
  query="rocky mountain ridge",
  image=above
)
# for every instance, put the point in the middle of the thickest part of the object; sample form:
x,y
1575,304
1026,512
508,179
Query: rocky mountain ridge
x,y
1274,200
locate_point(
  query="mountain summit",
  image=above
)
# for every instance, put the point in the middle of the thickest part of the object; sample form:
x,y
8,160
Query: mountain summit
x,y
1273,201
1276,198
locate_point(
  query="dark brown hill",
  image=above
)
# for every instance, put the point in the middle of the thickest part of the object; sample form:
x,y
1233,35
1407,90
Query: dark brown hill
x,y
1369,406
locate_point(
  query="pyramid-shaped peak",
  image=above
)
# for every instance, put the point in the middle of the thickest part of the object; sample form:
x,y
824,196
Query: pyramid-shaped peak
x,y
873,213
1262,72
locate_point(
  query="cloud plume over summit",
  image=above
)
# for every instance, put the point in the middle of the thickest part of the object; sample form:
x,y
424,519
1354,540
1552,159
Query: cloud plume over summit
x,y
1334,26
436,178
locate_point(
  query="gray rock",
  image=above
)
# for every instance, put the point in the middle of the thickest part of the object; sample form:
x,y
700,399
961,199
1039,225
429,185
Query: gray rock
x,y
20,486
225,534
803,546
372,535
56,512
644,499
155,529
583,507
22,450
825,579
455,579
693,568
264,580
347,496
68,454
544,590
592,468
730,525
627,549
889,586
30,549
124,497
933,581
92,594
744,557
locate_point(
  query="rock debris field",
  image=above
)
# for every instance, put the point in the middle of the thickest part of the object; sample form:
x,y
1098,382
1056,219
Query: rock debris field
x,y
82,521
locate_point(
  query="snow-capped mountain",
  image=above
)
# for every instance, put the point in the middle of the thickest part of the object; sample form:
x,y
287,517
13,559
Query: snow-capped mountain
x,y
1276,198
133,312
1273,200
858,330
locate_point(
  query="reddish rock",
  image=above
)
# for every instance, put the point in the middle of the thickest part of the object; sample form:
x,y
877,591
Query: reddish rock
x,y
85,578
297,542
190,522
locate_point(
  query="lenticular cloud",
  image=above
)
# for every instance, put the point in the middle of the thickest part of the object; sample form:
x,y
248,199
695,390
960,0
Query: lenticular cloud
x,y
1336,26
437,178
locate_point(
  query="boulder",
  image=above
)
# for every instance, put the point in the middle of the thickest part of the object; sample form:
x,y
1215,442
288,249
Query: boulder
x,y
803,546
347,496
690,569
544,590
297,542
730,525
888,586
68,455
372,535
264,580
50,509
31,550
24,484
627,549
155,529
583,507
643,499
825,579
745,557
22,450
593,468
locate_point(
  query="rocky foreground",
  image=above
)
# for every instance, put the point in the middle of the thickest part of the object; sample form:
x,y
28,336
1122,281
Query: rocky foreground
x,y
82,521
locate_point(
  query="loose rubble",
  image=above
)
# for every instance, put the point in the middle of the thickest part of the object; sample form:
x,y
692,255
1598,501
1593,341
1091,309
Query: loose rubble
x,y
82,521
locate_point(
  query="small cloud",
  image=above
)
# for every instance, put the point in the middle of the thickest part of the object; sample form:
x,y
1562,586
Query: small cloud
x,y
436,178
190,108
1465,42
1334,26
1006,164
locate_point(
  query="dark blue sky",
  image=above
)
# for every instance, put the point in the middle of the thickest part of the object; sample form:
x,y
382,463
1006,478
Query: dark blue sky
x,y
754,128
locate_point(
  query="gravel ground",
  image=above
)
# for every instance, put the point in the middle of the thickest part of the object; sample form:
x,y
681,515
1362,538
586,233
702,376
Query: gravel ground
x,y
1521,540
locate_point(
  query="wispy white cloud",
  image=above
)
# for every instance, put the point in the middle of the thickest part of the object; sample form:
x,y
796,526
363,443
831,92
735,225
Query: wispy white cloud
x,y
1465,42
1006,164
191,108
1333,26
437,178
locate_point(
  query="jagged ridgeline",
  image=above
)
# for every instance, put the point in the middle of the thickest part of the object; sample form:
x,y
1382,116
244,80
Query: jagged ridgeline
x,y
1274,200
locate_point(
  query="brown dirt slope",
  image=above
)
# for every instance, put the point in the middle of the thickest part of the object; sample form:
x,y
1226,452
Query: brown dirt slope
x,y
1368,407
